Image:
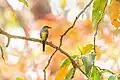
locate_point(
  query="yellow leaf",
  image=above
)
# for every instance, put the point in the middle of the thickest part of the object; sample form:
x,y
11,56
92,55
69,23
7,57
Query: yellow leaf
x,y
85,49
63,3
88,48
62,72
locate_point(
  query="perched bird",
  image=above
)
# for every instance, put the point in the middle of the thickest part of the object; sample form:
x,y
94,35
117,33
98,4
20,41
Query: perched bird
x,y
44,35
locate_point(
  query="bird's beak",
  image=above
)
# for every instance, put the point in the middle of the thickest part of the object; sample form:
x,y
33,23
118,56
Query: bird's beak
x,y
49,27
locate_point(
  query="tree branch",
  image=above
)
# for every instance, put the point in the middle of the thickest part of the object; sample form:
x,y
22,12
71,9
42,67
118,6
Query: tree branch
x,y
8,42
2,53
61,40
44,70
38,40
49,43
96,34
74,22
97,25
73,74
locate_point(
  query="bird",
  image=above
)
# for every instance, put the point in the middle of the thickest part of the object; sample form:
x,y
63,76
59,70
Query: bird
x,y
44,35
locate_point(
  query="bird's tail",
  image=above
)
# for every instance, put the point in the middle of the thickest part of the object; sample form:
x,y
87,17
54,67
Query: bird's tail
x,y
43,42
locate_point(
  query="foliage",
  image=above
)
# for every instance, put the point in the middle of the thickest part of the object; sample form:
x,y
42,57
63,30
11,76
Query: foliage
x,y
24,2
98,10
112,77
114,11
88,61
69,75
63,68
62,72
95,74
67,60
19,78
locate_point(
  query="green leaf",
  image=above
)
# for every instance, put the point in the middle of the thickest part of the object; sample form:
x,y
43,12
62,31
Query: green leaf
x,y
112,77
95,74
19,78
88,61
69,75
67,60
25,2
98,10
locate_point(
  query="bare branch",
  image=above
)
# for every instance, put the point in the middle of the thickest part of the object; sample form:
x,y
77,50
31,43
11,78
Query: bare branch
x,y
74,22
48,43
73,74
8,42
61,39
44,70
2,53
97,25
38,40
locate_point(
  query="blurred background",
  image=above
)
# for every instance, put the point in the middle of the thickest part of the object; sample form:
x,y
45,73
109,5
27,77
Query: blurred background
x,y
26,60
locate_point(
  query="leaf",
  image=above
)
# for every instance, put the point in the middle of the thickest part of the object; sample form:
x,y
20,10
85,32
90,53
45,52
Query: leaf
x,y
63,3
12,20
98,10
112,77
114,11
86,49
67,60
25,2
62,72
95,74
88,61
69,75
19,78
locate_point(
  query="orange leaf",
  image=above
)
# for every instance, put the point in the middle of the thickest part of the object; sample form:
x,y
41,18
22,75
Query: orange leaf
x,y
62,73
114,11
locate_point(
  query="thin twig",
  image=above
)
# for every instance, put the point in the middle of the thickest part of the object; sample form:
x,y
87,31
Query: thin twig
x,y
2,53
96,34
74,21
62,36
73,74
48,43
19,21
8,42
97,26
38,40
44,70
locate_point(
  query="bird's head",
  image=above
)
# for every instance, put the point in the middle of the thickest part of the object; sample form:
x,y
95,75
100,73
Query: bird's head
x,y
47,27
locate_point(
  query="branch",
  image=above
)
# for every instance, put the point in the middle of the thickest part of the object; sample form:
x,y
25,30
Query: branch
x,y
96,34
20,21
49,43
38,40
44,70
73,74
8,42
74,22
61,39
2,53
97,25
